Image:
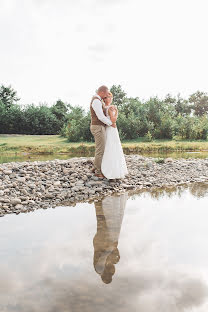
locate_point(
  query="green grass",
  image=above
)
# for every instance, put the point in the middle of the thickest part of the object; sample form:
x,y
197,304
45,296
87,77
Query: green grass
x,y
50,144
35,144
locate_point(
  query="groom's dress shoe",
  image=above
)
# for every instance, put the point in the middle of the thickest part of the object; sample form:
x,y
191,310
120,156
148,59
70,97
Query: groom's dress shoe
x,y
100,175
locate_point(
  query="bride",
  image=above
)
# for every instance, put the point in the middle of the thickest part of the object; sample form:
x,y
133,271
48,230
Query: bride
x,y
113,164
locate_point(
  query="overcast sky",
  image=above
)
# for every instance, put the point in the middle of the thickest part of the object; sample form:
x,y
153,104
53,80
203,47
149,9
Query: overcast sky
x,y
51,49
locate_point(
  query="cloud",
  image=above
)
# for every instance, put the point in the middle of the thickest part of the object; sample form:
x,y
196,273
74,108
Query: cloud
x,y
110,27
99,48
81,28
146,290
111,2
99,51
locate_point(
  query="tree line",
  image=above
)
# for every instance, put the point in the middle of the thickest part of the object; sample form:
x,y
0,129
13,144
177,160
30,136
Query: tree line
x,y
155,118
30,119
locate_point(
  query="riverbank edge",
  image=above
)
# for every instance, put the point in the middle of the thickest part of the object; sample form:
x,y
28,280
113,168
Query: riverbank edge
x,y
26,186
88,150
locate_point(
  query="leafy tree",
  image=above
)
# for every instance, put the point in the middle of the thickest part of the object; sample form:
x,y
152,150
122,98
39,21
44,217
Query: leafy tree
x,y
85,127
180,105
8,96
78,125
199,102
10,119
60,110
165,130
119,96
73,131
76,112
135,113
39,120
199,128
3,118
154,108
132,105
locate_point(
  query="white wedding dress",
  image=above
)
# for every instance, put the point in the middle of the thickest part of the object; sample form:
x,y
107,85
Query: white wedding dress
x,y
113,164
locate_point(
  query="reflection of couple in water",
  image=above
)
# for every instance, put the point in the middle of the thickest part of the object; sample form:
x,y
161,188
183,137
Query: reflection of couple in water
x,y
109,213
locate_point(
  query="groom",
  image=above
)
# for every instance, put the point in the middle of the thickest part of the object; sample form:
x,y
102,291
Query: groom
x,y
97,127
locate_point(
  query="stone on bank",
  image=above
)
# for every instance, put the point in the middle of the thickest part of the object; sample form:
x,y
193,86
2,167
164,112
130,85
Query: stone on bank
x,y
27,186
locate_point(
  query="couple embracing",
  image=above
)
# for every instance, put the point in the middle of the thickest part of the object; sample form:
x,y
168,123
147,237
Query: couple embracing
x,y
109,158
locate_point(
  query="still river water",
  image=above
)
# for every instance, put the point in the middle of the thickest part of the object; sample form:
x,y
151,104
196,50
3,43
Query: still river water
x,y
4,158
146,252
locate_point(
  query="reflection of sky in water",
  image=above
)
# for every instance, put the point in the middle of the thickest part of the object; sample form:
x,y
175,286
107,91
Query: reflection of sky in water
x,y
46,257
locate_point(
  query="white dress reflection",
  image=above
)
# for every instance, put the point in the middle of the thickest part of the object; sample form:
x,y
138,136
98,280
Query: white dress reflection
x,y
109,213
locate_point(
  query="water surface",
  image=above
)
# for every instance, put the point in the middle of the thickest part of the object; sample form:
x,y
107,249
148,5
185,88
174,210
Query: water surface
x,y
147,252
5,158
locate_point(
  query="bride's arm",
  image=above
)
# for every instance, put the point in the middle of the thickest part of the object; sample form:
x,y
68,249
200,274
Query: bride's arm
x,y
116,111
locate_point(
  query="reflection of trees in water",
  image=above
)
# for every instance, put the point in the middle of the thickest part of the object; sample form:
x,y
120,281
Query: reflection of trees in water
x,y
109,213
197,189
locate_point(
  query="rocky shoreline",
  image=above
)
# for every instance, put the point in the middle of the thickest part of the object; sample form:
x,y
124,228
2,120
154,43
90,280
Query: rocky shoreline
x,y
27,186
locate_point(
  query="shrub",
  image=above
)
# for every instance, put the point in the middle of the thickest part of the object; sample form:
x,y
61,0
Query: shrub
x,y
148,137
